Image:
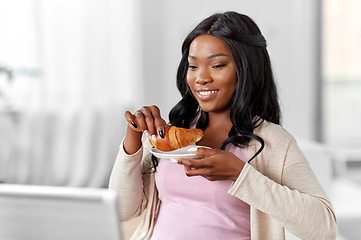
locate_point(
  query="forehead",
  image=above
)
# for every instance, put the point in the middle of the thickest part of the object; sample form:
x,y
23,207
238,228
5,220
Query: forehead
x,y
207,45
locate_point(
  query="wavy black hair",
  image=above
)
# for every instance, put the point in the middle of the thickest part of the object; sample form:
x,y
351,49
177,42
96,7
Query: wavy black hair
x,y
255,95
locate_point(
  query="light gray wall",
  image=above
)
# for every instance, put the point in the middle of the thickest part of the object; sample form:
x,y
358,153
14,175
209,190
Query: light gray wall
x,y
290,27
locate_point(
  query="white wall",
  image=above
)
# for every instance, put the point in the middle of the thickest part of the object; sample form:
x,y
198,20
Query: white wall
x,y
288,26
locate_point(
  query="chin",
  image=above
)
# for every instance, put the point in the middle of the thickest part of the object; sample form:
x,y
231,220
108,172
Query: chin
x,y
209,109
204,109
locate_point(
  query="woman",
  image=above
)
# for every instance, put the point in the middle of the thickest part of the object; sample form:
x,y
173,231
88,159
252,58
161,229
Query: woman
x,y
254,182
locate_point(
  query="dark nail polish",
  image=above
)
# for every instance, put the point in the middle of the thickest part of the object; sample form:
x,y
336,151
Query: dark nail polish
x,y
161,133
134,124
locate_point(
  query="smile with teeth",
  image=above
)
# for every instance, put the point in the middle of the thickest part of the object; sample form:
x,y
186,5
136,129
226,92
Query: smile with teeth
x,y
207,93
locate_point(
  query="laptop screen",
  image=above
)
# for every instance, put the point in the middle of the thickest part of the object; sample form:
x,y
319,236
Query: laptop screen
x,y
46,212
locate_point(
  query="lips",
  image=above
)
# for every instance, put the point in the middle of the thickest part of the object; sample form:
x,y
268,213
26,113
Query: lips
x,y
206,94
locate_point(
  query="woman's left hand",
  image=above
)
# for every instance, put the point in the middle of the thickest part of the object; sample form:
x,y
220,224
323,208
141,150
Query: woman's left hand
x,y
216,165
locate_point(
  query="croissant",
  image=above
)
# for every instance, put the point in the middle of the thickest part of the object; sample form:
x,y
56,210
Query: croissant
x,y
175,137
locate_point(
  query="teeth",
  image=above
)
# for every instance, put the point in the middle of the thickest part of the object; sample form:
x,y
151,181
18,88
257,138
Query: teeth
x,y
205,93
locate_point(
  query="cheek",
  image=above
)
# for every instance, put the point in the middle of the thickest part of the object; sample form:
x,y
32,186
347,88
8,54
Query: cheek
x,y
190,83
188,77
231,83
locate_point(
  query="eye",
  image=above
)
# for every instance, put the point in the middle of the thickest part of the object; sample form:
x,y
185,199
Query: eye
x,y
192,67
218,66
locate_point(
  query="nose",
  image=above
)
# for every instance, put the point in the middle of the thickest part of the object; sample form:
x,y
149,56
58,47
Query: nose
x,y
203,77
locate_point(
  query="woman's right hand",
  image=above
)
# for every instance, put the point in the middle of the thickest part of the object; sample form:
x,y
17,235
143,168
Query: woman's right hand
x,y
146,120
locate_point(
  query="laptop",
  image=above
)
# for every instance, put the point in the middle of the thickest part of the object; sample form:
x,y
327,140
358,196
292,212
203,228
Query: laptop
x,y
30,212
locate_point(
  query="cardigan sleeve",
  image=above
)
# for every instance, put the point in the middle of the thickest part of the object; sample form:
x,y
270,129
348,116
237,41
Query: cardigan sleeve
x,y
298,202
129,182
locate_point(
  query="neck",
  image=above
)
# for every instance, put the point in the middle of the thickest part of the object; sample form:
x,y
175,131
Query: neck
x,y
220,119
216,132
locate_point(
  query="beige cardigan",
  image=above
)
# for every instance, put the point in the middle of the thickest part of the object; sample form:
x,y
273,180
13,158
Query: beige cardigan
x,y
278,184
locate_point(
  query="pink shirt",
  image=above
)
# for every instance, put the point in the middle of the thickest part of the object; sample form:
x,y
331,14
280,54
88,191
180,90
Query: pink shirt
x,y
196,208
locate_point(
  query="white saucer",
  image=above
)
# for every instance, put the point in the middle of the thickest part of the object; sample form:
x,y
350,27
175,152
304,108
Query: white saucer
x,y
179,153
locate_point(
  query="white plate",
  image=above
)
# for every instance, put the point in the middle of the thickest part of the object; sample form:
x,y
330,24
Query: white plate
x,y
179,153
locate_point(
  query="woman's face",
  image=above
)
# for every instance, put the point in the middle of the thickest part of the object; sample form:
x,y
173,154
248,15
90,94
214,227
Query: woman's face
x,y
211,75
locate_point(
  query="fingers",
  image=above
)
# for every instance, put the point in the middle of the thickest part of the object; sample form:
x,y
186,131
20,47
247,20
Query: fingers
x,y
204,162
207,152
147,119
217,165
197,167
195,163
131,120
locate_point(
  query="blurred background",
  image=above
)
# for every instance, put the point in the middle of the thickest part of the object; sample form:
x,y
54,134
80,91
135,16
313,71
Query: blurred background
x,y
69,69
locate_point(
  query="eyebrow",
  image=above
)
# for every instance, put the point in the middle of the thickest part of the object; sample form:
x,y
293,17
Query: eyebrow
x,y
210,56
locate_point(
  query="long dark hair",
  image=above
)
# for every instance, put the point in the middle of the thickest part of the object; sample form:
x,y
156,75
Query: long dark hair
x,y
255,97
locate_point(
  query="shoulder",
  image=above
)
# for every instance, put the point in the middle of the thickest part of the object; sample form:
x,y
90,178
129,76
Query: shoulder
x,y
268,130
277,143
276,139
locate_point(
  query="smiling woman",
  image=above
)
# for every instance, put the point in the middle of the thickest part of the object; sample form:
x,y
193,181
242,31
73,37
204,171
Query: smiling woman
x,y
251,169
212,76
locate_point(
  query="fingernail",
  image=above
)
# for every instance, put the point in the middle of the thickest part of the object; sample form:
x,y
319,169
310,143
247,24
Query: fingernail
x,y
146,133
161,133
134,124
192,149
154,138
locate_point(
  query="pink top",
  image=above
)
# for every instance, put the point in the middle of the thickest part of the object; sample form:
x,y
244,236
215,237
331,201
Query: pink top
x,y
196,208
